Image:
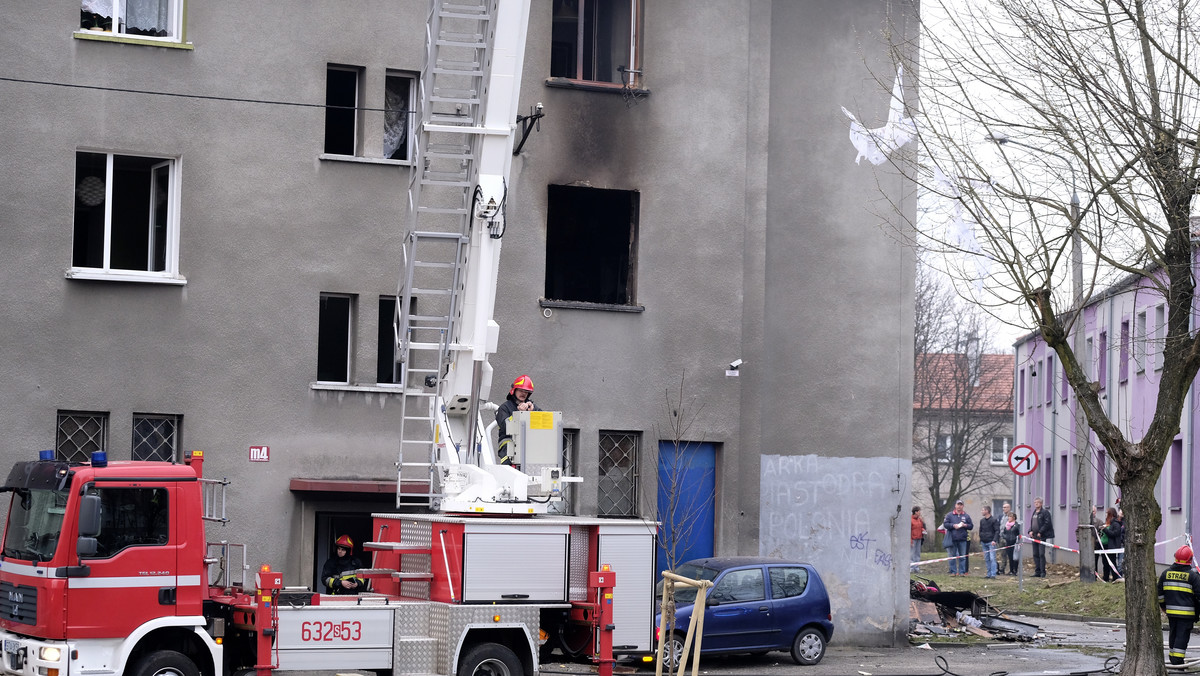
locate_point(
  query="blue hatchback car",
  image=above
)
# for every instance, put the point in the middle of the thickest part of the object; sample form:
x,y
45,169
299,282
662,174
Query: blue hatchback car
x,y
756,605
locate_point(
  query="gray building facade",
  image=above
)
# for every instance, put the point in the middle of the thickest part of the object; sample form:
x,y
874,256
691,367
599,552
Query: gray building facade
x,y
197,253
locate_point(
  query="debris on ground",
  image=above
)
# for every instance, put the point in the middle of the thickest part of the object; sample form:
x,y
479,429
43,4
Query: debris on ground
x,y
950,613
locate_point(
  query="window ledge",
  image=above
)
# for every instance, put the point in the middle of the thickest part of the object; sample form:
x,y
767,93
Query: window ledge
x,y
355,159
347,387
582,305
125,276
106,36
588,86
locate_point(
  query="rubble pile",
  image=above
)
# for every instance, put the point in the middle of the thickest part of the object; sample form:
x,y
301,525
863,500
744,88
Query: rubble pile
x,y
951,613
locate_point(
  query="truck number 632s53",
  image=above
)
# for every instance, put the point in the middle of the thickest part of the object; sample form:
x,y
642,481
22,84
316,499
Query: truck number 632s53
x,y
330,631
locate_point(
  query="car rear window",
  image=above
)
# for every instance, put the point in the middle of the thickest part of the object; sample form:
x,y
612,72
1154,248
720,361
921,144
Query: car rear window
x,y
788,581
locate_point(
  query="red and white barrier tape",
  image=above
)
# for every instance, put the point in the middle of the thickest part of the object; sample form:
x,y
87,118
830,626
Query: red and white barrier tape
x,y
916,564
1025,538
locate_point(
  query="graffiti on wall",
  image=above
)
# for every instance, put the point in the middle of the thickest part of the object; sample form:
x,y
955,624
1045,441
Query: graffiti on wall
x,y
839,514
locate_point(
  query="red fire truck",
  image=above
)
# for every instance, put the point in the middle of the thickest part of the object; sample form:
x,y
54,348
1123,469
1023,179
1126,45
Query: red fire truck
x,y
105,570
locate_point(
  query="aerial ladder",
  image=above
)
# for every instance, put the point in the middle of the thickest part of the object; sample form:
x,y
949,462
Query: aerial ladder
x,y
458,196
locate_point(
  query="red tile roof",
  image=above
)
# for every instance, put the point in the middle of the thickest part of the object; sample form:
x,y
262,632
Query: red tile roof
x,y
941,382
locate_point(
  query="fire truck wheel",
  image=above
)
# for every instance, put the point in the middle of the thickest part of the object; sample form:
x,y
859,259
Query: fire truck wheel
x,y
165,663
808,647
491,659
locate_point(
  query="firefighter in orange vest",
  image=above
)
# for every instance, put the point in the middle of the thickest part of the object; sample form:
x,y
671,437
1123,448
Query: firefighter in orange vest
x,y
1179,597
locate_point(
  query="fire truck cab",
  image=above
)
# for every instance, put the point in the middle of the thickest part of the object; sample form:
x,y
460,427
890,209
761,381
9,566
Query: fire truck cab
x,y
103,569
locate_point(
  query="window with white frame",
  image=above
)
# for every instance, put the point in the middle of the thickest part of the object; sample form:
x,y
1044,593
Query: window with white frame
x,y
1139,342
1021,391
1032,385
1001,445
398,107
1160,335
79,434
945,448
1102,360
350,124
126,216
1089,359
162,19
335,334
1036,385
597,41
1049,379
156,436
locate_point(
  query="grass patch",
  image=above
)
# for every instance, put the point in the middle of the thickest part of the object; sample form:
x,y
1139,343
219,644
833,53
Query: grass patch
x,y
1060,592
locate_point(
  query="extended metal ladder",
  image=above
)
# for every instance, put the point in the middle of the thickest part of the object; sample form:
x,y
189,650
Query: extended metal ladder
x,y
452,100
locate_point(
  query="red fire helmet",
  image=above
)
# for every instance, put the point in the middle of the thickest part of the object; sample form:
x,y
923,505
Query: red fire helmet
x,y
522,383
345,541
1183,554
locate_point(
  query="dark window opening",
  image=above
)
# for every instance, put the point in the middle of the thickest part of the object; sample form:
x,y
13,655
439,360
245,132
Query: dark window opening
x,y
386,367
591,245
341,114
333,340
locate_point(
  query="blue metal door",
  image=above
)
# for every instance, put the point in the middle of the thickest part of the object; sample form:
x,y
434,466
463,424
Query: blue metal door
x,y
687,484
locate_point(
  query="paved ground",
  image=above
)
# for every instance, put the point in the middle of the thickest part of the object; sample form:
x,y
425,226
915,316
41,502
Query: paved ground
x,y
1064,647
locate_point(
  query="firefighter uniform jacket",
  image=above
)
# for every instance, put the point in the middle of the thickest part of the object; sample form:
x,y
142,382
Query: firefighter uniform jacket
x,y
1179,592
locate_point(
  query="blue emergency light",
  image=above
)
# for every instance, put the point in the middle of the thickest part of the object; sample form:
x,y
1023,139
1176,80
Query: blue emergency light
x,y
45,455
99,459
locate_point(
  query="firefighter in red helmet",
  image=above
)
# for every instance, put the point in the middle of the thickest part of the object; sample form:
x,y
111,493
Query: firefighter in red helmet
x,y
1179,597
518,399
340,572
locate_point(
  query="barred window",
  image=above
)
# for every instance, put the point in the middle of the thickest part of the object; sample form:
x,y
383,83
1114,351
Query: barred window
x,y
79,433
569,462
156,437
618,473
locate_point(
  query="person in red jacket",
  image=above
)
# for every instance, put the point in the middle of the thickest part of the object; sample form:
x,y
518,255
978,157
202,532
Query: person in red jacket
x,y
918,533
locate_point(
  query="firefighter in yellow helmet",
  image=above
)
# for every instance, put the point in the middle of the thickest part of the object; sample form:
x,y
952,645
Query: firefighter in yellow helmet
x,y
1179,597
518,399
339,572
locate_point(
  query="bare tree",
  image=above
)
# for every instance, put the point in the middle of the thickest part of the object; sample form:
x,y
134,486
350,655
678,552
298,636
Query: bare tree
x,y
962,397
1099,100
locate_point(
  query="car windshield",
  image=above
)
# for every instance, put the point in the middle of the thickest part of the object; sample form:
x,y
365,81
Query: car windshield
x,y
34,522
685,594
